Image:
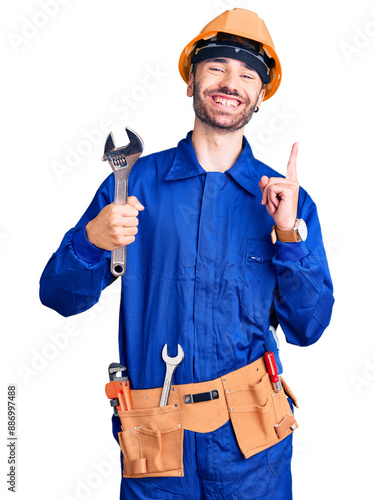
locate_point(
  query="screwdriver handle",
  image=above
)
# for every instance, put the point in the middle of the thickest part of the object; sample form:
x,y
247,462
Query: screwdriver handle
x,y
271,366
272,370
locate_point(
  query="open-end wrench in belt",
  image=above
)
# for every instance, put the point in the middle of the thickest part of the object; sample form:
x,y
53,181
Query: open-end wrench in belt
x,y
121,160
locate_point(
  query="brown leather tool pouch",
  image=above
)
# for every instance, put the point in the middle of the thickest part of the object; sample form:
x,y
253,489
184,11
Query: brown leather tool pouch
x,y
260,416
152,437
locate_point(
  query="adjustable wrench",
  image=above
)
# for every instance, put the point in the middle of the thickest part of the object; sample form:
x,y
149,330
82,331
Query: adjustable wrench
x,y
121,160
171,364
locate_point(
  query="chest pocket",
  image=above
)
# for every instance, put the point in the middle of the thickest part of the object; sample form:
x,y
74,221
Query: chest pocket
x,y
259,278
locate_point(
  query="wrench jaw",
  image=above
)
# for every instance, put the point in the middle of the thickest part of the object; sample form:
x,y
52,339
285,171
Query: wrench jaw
x,y
172,361
123,157
135,146
113,156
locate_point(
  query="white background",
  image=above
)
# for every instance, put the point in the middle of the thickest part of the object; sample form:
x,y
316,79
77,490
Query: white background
x,y
68,68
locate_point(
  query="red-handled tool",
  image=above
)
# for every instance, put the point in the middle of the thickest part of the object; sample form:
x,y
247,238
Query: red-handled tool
x,y
273,371
118,389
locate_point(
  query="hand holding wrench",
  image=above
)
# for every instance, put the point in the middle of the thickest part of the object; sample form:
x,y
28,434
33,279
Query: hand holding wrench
x,y
121,160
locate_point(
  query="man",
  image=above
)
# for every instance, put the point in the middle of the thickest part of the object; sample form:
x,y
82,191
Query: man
x,y
204,273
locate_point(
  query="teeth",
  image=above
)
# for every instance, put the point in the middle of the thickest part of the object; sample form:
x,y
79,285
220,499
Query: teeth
x,y
226,102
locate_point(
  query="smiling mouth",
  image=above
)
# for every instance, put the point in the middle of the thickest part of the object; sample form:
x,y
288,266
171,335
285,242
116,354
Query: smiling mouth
x,y
224,101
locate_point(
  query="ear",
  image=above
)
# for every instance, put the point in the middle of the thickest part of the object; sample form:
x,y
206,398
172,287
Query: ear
x,y
190,85
261,97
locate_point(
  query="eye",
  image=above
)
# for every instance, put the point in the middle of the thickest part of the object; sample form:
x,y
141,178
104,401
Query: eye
x,y
247,77
216,68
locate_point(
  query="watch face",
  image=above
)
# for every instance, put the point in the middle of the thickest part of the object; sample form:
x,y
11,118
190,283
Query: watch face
x,y
302,230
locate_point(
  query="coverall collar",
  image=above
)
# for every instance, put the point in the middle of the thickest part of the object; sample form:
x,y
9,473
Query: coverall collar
x,y
185,165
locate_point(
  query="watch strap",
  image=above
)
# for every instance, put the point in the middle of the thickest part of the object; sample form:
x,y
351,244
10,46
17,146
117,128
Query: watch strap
x,y
290,236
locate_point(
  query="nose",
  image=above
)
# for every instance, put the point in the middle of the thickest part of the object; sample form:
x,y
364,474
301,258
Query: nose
x,y
229,83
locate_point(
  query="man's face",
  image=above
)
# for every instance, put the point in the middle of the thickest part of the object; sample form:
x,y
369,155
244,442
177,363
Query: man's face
x,y
225,93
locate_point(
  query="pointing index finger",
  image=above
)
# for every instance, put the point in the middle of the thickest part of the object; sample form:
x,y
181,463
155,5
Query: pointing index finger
x,y
291,166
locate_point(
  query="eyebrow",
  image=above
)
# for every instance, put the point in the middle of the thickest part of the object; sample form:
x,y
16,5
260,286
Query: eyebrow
x,y
217,59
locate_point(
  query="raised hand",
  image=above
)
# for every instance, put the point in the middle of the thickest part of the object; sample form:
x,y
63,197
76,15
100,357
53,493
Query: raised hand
x,y
280,196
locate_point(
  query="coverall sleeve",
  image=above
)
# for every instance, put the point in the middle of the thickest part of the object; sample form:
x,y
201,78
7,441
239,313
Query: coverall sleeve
x,y
77,272
304,299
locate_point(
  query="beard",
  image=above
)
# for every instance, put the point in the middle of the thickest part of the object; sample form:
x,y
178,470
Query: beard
x,y
221,120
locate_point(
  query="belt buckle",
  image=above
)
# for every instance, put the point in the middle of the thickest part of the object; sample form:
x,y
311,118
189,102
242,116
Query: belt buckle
x,y
202,396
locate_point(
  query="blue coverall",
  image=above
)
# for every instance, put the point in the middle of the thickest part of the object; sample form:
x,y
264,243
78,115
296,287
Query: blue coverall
x,y
202,273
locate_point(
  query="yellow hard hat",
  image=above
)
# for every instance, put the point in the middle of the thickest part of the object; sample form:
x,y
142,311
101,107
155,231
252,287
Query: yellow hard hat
x,y
242,23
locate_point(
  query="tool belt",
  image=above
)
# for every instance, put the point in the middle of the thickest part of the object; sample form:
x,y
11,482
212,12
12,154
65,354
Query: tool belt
x,y
152,437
